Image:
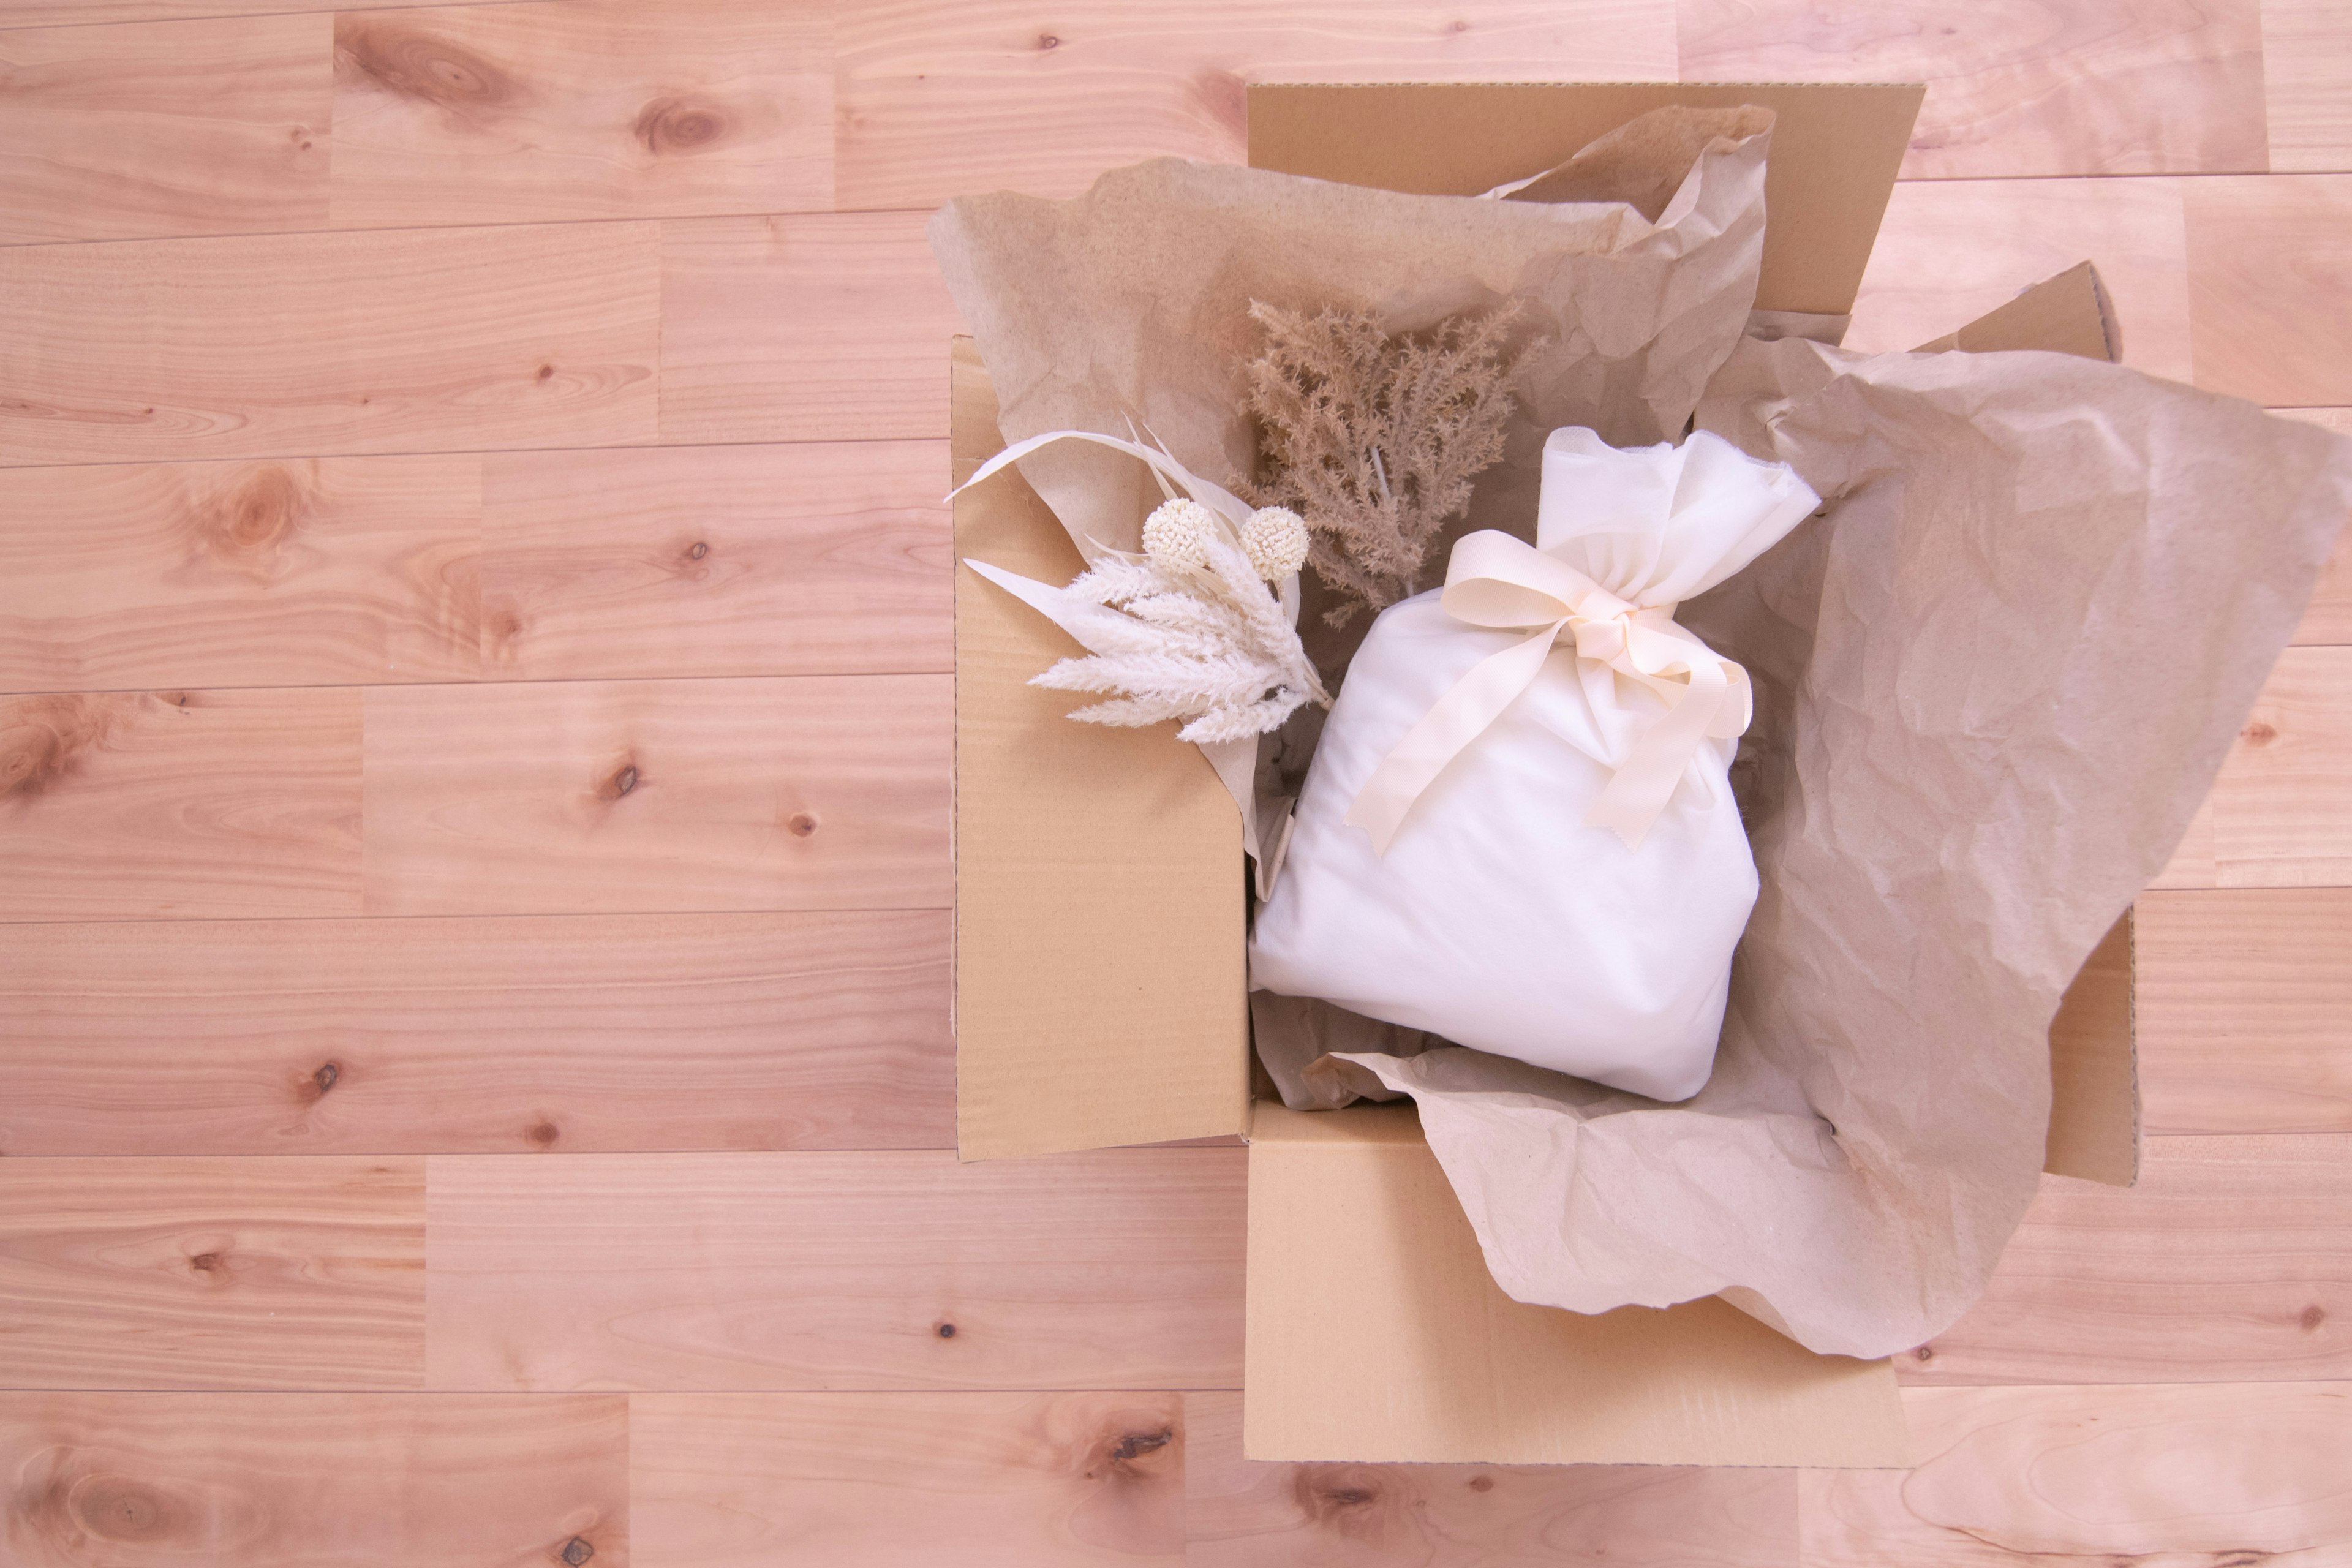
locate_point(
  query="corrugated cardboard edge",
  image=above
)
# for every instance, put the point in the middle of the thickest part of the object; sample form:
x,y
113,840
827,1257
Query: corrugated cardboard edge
x,y
2068,313
1376,1335
1835,151
1100,975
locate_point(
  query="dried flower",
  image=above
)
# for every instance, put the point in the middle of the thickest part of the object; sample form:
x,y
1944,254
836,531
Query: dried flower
x,y
1375,439
1176,535
1275,541
1209,644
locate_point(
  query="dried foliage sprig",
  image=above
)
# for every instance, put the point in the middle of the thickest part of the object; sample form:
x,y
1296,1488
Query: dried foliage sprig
x,y
1375,439
1199,636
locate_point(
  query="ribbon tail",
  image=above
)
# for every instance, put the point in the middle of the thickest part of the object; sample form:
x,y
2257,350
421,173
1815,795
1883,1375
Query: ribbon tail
x,y
1632,801
1459,717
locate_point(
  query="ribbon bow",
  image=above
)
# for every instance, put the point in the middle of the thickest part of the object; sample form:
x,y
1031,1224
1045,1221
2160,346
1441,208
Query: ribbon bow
x,y
1497,581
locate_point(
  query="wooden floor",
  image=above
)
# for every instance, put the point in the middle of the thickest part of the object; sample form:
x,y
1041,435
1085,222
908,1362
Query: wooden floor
x,y
474,1056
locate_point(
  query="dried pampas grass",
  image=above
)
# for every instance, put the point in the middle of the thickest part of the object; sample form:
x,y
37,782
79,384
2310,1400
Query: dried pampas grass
x,y
1374,439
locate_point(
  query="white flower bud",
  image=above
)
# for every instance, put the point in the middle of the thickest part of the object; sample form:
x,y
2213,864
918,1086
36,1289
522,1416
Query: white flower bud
x,y
1176,533
1275,540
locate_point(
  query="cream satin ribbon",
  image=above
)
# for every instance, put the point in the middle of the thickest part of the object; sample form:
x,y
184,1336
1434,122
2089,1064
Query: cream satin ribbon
x,y
1497,581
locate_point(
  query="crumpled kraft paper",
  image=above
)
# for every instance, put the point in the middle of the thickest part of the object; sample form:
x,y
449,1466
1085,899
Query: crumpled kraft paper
x,y
1994,679
1131,303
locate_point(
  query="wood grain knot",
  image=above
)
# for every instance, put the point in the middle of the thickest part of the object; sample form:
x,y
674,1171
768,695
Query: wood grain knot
x,y
1135,1445
802,825
1923,1354
680,125
116,1507
546,372
2258,733
945,1330
1481,1483
543,1133
697,550
2311,1317
248,524
576,1551
1336,1495
43,739
622,780
327,1076
414,64
1048,41
209,1263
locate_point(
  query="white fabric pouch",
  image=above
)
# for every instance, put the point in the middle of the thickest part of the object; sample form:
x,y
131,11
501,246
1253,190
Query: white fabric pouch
x,y
1517,831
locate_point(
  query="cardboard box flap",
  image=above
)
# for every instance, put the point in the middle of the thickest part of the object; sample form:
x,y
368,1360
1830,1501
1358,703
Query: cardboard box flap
x,y
1376,1335
1093,1007
2069,314
1835,151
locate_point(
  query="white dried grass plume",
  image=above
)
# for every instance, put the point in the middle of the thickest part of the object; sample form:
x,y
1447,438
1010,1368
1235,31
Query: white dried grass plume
x,y
1209,644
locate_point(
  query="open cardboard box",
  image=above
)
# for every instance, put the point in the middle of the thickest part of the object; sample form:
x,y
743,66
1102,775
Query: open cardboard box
x,y
1100,972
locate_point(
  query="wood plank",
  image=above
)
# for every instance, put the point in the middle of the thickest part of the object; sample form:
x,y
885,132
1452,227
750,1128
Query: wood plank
x,y
809,328
2191,865
577,797
2214,1474
204,127
781,560
2230,1261
1117,1269
300,1273
2307,84
2265,329
2059,87
603,108
52,13
1244,1514
192,805
570,1033
2329,619
422,340
906,1480
2281,811
940,100
2243,1001
1950,250
313,1481
299,571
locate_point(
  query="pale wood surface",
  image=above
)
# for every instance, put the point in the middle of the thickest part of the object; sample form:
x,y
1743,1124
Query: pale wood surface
x,y
313,1481
780,560
2307,84
607,109
288,345
532,1034
1116,1270
2270,261
2242,1001
907,1480
811,328
361,428
1245,1514
1950,250
171,1273
572,796
302,571
2218,1475
2045,87
2231,1259
180,803
198,127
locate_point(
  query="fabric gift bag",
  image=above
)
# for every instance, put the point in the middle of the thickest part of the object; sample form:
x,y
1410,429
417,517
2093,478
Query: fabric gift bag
x,y
1518,830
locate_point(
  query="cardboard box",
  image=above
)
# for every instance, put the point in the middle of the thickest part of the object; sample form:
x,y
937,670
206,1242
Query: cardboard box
x,y
1100,966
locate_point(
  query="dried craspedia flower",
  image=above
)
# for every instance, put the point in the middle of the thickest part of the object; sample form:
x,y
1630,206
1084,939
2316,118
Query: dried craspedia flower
x,y
1275,541
1176,535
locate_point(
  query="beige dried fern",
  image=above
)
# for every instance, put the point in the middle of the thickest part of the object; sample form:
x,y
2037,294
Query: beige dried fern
x,y
1375,439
